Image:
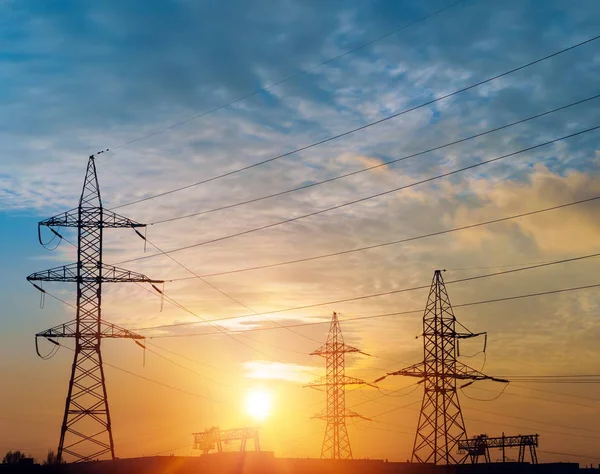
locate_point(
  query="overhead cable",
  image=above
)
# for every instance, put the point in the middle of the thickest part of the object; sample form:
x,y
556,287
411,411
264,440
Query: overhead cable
x,y
367,198
369,168
386,293
289,78
394,242
363,127
361,318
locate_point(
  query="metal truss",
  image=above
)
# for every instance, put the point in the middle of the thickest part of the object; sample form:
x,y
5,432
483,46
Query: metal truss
x,y
336,444
214,438
107,330
441,425
480,446
86,431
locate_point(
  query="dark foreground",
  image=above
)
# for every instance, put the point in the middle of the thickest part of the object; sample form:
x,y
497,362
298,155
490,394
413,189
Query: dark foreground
x,y
267,463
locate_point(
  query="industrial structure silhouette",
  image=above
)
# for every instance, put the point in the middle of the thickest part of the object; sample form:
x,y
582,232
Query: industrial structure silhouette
x,y
86,431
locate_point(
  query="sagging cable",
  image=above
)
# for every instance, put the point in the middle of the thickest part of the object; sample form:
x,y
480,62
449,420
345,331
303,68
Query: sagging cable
x,y
46,245
52,352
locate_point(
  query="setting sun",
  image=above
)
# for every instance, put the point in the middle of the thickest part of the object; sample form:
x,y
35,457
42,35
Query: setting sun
x,y
258,404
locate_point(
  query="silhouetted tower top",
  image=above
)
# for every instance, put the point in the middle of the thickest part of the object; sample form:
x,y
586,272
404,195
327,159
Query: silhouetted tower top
x,y
90,194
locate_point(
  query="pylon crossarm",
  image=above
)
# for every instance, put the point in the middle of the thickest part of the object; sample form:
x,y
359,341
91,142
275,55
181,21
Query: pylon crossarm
x,y
416,370
66,273
107,330
317,384
351,414
469,335
67,329
336,348
68,218
320,416
464,372
110,274
355,381
342,380
71,218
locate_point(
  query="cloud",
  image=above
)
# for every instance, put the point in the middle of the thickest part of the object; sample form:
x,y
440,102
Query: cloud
x,y
86,77
267,370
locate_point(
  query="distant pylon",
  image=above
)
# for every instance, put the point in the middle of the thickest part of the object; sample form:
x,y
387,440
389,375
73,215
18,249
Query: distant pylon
x,y
336,444
86,432
441,424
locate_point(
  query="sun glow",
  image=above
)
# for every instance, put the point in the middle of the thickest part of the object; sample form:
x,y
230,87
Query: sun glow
x,y
258,404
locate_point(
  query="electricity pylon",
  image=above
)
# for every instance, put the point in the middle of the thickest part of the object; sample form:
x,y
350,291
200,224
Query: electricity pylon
x,y
441,424
336,444
86,432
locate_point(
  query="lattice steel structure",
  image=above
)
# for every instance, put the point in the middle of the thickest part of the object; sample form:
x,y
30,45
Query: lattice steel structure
x,y
441,424
214,438
86,432
480,446
336,444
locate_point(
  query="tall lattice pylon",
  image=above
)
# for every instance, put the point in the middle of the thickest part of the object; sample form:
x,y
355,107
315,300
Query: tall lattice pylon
x,y
336,444
441,424
86,432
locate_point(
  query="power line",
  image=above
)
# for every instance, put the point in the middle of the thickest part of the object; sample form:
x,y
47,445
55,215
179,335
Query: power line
x,y
408,406
394,242
533,420
414,386
594,399
520,426
360,318
386,412
187,368
221,291
240,333
363,127
493,399
386,293
197,395
540,398
187,358
174,353
538,429
585,456
172,301
524,378
551,376
385,163
293,76
356,201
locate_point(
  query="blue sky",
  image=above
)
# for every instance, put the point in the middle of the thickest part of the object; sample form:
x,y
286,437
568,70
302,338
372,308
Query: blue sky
x,y
77,78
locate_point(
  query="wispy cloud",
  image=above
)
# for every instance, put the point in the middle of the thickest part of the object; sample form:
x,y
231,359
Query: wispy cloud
x,y
266,370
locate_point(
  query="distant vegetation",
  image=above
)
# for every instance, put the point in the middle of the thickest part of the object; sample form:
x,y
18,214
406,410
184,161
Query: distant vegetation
x,y
51,459
14,457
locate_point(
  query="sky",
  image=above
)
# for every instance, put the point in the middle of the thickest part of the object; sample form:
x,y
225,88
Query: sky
x,y
151,82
